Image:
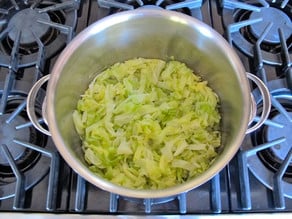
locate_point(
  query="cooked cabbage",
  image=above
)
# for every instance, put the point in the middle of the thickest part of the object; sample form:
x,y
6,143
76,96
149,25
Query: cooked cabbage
x,y
148,124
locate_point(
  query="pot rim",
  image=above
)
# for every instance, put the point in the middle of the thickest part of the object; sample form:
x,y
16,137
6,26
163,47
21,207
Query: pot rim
x,y
81,168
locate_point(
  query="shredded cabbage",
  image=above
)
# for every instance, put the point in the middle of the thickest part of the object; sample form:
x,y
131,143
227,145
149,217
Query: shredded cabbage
x,y
148,124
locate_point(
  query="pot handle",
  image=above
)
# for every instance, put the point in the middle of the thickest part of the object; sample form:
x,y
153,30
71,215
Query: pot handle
x,y
30,106
266,103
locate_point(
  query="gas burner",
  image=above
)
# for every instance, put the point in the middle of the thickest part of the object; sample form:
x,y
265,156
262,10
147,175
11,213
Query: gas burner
x,y
246,22
183,6
9,131
26,22
29,28
268,15
272,142
15,128
274,156
7,134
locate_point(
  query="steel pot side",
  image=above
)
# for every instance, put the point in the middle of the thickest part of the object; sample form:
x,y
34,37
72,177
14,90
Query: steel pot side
x,y
150,34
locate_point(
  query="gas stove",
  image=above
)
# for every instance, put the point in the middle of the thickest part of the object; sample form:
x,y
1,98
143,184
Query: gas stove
x,y
34,179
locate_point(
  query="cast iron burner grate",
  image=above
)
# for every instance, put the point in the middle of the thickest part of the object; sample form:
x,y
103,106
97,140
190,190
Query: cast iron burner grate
x,y
274,156
189,7
245,22
208,198
269,157
267,153
30,33
26,27
12,128
24,157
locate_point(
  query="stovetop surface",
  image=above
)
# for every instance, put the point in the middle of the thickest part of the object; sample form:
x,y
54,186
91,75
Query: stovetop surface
x,y
68,192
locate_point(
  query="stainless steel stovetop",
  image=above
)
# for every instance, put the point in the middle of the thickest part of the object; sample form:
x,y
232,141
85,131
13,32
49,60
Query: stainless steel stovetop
x,y
34,179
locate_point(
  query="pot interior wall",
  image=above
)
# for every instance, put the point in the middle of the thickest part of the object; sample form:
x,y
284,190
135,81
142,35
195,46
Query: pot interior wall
x,y
113,40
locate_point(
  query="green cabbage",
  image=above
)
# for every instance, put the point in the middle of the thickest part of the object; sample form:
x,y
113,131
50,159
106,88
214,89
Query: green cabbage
x,y
148,124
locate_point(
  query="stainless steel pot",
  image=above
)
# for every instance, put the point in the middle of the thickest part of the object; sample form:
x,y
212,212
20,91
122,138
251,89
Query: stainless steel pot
x,y
150,34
